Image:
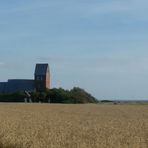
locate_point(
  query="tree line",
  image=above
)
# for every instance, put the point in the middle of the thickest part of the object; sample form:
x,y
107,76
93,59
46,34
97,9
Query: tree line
x,y
55,95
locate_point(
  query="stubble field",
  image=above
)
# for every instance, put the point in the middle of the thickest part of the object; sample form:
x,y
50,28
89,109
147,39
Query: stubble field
x,y
73,126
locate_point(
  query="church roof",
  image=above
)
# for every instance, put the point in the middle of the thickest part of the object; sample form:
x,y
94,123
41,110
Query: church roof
x,y
41,69
14,85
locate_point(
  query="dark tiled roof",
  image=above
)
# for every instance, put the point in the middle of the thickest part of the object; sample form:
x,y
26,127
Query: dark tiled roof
x,y
17,85
3,86
41,69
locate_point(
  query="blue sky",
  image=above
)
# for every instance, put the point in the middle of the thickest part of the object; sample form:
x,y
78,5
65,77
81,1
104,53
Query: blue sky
x,y
98,45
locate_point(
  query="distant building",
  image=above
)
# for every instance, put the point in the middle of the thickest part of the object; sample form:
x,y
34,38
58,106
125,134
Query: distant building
x,y
42,77
40,83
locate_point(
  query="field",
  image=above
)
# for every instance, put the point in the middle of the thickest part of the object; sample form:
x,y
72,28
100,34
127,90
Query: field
x,y
73,126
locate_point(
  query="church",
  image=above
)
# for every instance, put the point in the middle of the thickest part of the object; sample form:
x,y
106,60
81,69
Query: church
x,y
40,83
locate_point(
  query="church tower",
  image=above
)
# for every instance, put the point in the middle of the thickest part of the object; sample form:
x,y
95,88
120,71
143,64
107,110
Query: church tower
x,y
42,77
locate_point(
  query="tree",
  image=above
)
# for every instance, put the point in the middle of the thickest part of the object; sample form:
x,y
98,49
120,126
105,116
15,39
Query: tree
x,y
56,95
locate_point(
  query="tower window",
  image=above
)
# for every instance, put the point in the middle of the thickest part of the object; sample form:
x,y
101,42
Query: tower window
x,y
39,78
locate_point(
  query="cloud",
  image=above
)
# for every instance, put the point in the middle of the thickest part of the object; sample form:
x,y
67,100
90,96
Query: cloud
x,y
130,8
85,8
118,65
2,64
28,6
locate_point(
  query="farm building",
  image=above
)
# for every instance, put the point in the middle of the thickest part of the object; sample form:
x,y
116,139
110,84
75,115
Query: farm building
x,y
41,81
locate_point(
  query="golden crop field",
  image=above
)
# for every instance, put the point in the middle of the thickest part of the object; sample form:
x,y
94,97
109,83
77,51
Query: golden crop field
x,y
73,126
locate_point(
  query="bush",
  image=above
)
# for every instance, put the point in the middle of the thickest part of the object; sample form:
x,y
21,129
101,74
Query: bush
x,y
12,97
75,95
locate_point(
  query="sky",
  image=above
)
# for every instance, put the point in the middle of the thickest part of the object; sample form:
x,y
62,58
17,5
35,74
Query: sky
x,y
101,46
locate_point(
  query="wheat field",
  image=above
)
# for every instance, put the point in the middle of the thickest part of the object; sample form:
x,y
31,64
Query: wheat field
x,y
73,126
